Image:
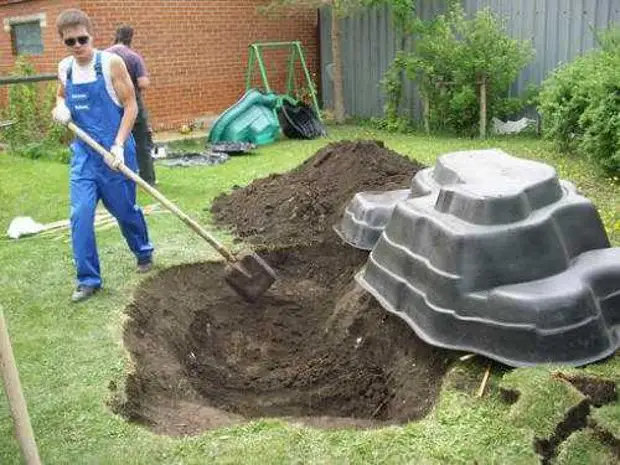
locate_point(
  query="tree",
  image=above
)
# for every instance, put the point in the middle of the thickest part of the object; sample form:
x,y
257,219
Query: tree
x,y
464,67
340,9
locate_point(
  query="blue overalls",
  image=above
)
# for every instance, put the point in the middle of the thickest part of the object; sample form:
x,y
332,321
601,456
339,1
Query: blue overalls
x,y
91,180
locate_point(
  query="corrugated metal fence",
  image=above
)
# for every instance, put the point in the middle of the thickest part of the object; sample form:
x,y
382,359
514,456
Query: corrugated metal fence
x,y
559,30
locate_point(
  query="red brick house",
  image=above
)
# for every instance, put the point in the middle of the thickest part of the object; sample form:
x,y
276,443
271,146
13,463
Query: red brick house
x,y
196,51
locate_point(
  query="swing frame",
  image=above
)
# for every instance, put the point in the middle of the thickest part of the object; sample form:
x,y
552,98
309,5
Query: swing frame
x,y
255,54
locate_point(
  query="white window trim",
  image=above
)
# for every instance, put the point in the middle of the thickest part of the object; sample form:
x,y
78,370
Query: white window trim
x,y
9,22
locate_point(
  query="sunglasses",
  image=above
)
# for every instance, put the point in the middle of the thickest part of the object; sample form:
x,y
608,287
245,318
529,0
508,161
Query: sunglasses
x,y
71,41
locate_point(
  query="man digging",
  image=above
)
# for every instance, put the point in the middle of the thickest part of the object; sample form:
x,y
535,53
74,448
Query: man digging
x,y
96,92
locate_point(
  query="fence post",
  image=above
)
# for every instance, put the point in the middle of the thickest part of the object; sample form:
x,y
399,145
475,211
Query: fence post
x,y
483,107
427,112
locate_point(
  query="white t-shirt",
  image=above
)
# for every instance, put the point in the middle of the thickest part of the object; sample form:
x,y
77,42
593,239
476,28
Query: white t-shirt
x,y
85,74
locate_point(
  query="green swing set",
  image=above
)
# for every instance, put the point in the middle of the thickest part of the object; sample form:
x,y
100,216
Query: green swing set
x,y
295,52
254,117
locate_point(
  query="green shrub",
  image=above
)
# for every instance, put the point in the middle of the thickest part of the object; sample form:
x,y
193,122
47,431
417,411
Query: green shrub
x,y
34,134
565,96
42,150
580,104
601,139
452,55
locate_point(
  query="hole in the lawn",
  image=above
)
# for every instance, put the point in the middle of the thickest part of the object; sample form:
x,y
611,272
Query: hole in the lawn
x,y
316,349
575,419
598,391
606,438
510,396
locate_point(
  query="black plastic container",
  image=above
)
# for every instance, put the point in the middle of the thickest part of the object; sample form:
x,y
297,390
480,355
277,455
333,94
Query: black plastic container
x,y
495,255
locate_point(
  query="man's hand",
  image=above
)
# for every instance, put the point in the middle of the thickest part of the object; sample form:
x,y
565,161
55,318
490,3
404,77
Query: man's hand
x,y
61,113
119,157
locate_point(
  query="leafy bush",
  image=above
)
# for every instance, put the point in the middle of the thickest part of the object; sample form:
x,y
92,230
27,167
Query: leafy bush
x,y
452,55
34,134
601,121
565,96
580,104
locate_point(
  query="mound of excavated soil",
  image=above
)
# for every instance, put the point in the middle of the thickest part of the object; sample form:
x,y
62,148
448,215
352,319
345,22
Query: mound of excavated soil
x,y
302,205
316,349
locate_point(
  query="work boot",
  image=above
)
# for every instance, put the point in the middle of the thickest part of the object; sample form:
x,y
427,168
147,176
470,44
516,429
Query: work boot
x,y
82,293
144,266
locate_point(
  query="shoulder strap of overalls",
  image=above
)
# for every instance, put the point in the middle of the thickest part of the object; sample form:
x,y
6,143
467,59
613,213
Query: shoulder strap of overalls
x,y
98,67
70,70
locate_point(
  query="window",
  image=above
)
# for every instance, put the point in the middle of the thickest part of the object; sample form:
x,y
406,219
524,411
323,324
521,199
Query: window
x,y
26,36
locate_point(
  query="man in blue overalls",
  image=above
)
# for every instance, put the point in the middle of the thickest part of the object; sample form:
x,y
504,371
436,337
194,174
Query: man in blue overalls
x,y
96,93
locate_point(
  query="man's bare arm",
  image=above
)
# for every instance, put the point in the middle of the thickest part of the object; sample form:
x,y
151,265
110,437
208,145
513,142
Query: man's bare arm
x,y
60,92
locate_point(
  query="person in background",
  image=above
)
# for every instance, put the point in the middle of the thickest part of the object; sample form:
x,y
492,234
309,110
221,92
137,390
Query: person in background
x,y
96,93
139,76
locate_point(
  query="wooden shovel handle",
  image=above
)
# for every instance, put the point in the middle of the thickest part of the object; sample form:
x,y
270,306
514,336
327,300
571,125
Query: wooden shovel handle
x,y
154,193
15,396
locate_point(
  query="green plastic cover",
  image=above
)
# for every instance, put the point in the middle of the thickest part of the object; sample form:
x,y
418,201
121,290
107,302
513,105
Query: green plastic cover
x,y
252,119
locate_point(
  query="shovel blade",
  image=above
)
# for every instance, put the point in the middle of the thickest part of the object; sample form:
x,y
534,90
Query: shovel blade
x,y
250,277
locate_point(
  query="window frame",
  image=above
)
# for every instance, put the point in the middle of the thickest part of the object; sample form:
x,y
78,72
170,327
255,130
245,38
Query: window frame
x,y
10,22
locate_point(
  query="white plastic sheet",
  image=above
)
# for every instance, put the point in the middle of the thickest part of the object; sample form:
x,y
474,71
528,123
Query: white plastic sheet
x,y
511,127
23,226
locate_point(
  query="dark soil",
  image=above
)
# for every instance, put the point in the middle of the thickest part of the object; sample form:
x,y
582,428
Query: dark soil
x,y
316,349
302,205
598,391
510,396
575,419
606,438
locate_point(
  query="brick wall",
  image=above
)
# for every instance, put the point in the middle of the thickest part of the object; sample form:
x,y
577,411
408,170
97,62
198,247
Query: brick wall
x,y
196,51
53,48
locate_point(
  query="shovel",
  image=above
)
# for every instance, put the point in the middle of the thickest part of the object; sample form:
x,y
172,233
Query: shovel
x,y
250,276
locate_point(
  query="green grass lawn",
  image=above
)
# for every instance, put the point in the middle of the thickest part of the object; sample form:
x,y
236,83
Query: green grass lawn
x,y
68,355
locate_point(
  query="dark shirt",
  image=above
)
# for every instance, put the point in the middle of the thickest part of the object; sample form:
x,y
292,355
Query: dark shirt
x,y
133,61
